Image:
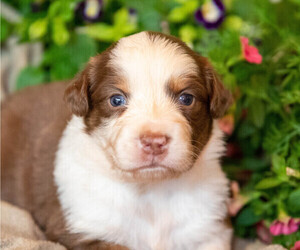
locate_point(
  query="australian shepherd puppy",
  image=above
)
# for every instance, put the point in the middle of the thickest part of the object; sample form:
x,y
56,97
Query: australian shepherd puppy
x,y
126,156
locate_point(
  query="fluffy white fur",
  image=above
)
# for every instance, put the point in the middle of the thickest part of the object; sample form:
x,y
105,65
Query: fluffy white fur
x,y
182,213
144,60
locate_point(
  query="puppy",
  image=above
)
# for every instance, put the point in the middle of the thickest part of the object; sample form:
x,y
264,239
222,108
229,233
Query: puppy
x,y
130,159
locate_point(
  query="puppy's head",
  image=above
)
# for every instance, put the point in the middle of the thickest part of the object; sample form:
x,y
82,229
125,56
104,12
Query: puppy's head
x,y
149,101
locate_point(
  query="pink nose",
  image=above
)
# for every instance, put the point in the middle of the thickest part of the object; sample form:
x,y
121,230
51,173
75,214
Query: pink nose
x,y
155,144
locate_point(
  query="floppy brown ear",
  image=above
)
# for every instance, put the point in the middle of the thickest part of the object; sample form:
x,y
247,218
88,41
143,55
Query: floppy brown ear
x,y
76,95
220,98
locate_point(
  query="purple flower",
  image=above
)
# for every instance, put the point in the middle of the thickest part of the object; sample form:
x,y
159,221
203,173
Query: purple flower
x,y
211,14
90,10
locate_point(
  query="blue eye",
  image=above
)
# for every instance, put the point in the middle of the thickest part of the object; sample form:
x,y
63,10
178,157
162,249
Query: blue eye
x,y
186,99
117,100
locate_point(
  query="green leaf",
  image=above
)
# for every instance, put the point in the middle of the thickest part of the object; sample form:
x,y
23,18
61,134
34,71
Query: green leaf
x,y
122,26
121,17
190,6
126,29
54,9
229,81
177,15
294,201
60,34
254,164
257,113
63,9
38,28
4,29
291,97
111,33
267,183
30,76
233,22
101,31
247,217
187,33
278,165
180,13
246,130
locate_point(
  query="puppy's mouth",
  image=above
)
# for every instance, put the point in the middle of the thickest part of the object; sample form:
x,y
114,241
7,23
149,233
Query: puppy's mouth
x,y
149,168
152,172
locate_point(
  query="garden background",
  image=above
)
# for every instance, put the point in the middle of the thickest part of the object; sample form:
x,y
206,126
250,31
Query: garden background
x,y
254,46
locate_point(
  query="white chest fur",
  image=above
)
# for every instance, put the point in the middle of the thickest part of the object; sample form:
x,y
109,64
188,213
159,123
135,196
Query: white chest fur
x,y
182,213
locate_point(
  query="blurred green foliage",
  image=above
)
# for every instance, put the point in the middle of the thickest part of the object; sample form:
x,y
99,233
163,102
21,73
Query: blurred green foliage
x,y
267,95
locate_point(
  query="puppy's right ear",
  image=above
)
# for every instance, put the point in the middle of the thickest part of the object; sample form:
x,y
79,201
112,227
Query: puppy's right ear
x,y
77,94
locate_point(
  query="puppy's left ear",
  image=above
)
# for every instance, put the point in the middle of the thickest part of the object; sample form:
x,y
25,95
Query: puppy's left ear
x,y
220,98
77,94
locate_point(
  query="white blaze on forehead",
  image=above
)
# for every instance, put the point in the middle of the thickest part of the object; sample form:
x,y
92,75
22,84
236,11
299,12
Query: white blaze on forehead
x,y
148,61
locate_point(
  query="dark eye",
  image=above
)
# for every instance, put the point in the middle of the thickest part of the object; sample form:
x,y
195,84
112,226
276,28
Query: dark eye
x,y
117,100
186,99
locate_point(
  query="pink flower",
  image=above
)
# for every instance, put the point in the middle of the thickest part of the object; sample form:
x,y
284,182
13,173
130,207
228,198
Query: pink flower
x,y
296,246
250,53
279,227
290,227
276,228
226,124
